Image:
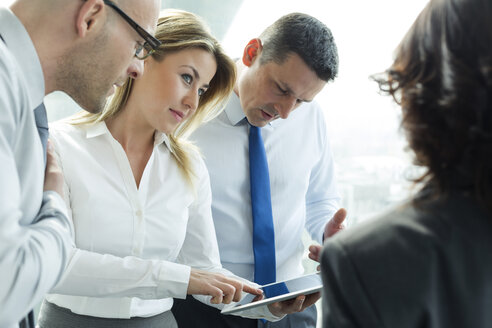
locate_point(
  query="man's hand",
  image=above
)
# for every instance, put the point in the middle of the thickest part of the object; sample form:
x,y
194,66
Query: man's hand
x,y
221,288
298,304
53,176
335,224
332,227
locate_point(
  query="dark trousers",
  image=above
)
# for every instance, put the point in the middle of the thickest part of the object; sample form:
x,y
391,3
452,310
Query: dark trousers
x,y
191,313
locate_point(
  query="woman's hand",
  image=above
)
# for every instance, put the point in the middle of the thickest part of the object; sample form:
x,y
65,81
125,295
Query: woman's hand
x,y
221,288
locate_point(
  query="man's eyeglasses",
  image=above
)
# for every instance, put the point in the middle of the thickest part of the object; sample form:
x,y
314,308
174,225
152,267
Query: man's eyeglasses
x,y
150,45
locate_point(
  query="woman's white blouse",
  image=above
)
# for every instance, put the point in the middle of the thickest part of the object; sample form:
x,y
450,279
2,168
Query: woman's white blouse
x,y
134,246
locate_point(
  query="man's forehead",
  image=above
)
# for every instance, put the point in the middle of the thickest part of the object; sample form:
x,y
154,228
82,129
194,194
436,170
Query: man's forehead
x,y
298,79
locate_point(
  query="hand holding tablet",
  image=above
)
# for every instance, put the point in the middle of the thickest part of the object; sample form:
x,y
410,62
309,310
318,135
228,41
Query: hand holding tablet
x,y
278,291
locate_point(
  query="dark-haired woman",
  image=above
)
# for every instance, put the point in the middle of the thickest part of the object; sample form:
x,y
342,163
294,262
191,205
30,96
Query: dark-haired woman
x,y
428,263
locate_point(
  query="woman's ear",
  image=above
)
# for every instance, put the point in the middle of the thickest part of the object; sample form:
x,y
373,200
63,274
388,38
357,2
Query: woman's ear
x,y
252,51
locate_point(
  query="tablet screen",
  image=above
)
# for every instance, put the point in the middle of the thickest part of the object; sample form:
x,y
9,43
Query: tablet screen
x,y
279,291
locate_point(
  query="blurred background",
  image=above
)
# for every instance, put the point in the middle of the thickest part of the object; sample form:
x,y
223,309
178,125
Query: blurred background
x,y
372,167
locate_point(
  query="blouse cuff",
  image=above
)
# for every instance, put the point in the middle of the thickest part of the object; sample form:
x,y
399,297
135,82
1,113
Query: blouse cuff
x,y
174,279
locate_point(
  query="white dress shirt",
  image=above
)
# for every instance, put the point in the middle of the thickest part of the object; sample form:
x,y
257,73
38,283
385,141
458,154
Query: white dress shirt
x,y
35,234
302,184
135,245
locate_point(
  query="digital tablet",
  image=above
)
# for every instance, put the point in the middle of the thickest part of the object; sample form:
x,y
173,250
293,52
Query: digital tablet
x,y
278,291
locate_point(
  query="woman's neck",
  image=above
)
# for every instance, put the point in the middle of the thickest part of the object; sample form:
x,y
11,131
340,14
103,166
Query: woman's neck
x,y
130,130
135,136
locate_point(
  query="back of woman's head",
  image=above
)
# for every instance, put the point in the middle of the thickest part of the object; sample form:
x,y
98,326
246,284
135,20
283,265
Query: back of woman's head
x,y
442,77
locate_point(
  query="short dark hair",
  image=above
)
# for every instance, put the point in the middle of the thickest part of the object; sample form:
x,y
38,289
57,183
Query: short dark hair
x,y
305,36
442,78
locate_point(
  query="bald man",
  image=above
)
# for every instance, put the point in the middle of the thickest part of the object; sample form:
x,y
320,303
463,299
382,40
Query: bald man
x,y
84,48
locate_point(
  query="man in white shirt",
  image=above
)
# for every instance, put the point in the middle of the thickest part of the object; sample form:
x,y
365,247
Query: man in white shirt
x,y
283,69
83,48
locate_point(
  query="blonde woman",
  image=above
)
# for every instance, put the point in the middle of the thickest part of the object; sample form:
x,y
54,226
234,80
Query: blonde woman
x,y
139,193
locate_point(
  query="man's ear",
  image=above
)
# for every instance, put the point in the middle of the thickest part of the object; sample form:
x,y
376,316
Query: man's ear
x,y
90,13
252,51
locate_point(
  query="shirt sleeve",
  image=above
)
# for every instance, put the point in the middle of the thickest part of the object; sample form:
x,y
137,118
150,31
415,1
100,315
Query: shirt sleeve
x,y
322,198
104,275
33,256
200,249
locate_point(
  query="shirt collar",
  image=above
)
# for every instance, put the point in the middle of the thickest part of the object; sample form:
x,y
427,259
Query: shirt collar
x,y
96,129
160,137
100,128
20,45
233,110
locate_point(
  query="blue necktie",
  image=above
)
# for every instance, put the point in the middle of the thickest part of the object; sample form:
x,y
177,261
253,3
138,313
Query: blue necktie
x,y
42,125
263,233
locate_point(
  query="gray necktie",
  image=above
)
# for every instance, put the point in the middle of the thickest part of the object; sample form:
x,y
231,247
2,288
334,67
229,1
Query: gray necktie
x,y
27,321
42,125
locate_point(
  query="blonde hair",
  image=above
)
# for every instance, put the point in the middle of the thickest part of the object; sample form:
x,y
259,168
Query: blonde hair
x,y
180,30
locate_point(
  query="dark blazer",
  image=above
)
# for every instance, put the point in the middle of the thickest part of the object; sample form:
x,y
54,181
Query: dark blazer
x,y
426,266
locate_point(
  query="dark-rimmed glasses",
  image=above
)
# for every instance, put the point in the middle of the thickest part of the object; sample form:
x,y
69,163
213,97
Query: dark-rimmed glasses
x,y
150,45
